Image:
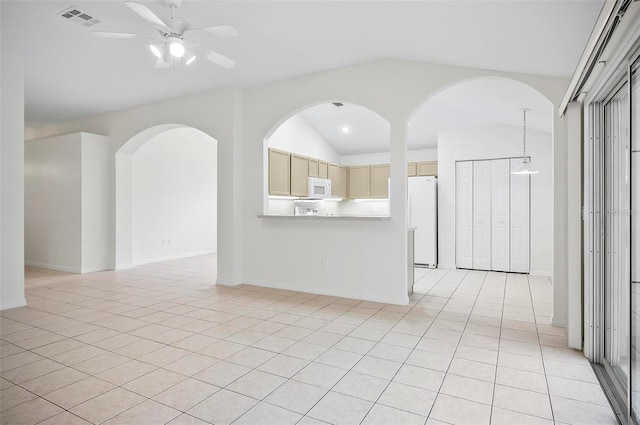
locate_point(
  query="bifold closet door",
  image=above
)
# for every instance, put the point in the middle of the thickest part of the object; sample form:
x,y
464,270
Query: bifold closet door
x,y
482,215
500,208
464,214
519,228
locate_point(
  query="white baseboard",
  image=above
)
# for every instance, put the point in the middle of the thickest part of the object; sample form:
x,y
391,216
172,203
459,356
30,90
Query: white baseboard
x,y
403,300
544,273
53,267
13,304
227,283
172,257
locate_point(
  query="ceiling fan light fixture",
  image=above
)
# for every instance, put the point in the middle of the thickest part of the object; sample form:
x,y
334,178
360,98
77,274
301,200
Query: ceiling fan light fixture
x,y
156,52
190,60
176,49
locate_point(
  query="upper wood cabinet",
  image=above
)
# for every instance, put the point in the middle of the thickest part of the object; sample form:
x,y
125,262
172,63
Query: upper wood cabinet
x,y
279,172
299,175
313,167
412,169
380,181
428,168
338,176
323,170
359,182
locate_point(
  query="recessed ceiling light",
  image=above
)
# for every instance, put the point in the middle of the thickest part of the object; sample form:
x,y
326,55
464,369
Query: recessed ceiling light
x,y
345,129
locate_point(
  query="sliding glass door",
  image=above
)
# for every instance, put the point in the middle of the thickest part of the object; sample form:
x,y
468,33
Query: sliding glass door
x,y
635,241
616,238
613,264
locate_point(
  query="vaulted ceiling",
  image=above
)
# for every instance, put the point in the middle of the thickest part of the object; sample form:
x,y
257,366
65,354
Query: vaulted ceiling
x,y
70,74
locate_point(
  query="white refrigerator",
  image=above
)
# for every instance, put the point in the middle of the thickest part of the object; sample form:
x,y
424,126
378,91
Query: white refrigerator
x,y
423,216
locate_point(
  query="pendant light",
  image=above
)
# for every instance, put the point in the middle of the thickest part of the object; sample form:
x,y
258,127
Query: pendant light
x,y
524,168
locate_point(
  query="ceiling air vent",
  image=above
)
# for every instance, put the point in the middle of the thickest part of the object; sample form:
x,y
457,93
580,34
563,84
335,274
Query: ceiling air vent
x,y
338,104
79,17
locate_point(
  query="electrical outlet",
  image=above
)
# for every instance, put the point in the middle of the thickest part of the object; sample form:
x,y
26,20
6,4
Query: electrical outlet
x,y
164,242
168,241
324,263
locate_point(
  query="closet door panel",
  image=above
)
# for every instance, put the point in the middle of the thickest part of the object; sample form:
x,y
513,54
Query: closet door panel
x,y
500,208
520,217
464,214
482,215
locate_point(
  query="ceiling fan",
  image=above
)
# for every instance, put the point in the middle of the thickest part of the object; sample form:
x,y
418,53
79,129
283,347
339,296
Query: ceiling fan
x,y
178,42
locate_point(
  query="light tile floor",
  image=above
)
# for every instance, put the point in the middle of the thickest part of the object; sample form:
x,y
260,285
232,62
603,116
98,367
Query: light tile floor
x,y
160,344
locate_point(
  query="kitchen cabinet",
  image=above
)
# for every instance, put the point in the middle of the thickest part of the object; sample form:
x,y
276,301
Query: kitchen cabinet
x,y
279,172
428,168
359,182
338,176
412,169
323,170
313,167
299,175
380,181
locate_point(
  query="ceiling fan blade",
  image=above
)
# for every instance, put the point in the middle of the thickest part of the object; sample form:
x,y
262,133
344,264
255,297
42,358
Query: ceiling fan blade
x,y
147,14
220,59
107,34
225,31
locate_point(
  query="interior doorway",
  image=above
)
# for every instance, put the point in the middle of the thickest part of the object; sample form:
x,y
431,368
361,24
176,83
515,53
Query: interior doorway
x,y
166,196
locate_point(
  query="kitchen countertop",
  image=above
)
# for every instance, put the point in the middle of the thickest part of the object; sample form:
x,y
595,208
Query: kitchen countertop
x,y
329,217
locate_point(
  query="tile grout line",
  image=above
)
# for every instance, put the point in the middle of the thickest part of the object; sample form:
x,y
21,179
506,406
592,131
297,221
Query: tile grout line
x,y
495,377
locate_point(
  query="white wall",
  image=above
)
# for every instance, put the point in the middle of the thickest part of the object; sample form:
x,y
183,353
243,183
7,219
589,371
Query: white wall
x,y
67,203
384,157
297,136
488,143
53,203
174,183
11,181
96,185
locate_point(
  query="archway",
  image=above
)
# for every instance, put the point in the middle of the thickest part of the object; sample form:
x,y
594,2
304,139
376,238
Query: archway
x,y
481,119
330,140
166,195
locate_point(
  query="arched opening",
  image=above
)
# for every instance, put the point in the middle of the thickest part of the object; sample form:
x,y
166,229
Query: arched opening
x,y
339,144
166,195
479,123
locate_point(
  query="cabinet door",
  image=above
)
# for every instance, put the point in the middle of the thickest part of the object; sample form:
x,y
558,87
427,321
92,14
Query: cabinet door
x,y
429,168
500,207
279,172
464,214
412,169
380,181
313,167
342,182
482,215
334,176
519,229
299,175
323,170
358,185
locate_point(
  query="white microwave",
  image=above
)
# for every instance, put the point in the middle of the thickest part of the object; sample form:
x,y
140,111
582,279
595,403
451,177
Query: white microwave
x,y
319,188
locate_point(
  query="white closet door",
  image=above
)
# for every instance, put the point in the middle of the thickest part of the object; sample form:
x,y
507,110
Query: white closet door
x,y
482,215
464,214
519,229
500,169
